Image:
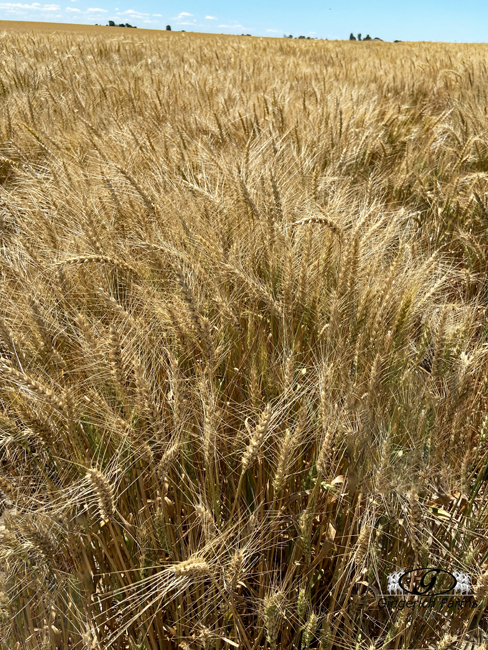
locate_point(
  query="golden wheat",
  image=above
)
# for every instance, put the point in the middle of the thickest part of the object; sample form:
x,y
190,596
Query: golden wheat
x,y
243,339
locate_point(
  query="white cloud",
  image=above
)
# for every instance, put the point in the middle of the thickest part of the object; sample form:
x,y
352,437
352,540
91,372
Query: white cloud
x,y
78,11
97,9
18,5
182,18
232,26
51,8
158,15
131,12
210,18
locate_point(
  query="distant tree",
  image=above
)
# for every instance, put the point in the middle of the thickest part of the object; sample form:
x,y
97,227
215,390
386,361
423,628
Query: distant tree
x,y
168,28
111,23
397,41
368,38
121,25
359,37
352,37
301,37
290,36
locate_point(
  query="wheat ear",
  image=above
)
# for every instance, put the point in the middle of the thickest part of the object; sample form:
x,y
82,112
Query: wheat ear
x,y
104,492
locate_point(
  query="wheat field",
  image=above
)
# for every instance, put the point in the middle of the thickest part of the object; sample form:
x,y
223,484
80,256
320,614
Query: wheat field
x,y
243,340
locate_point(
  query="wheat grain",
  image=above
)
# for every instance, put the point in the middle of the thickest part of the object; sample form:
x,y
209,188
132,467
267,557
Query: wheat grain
x,y
256,440
104,493
283,461
192,568
235,571
362,545
83,259
309,631
272,614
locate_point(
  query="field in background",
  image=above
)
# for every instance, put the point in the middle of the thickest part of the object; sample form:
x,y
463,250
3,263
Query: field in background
x,y
26,27
243,339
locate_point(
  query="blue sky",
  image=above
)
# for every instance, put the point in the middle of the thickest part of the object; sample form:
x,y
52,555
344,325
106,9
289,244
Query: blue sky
x,y
415,20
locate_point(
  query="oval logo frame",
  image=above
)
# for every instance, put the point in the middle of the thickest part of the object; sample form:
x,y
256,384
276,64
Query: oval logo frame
x,y
427,582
